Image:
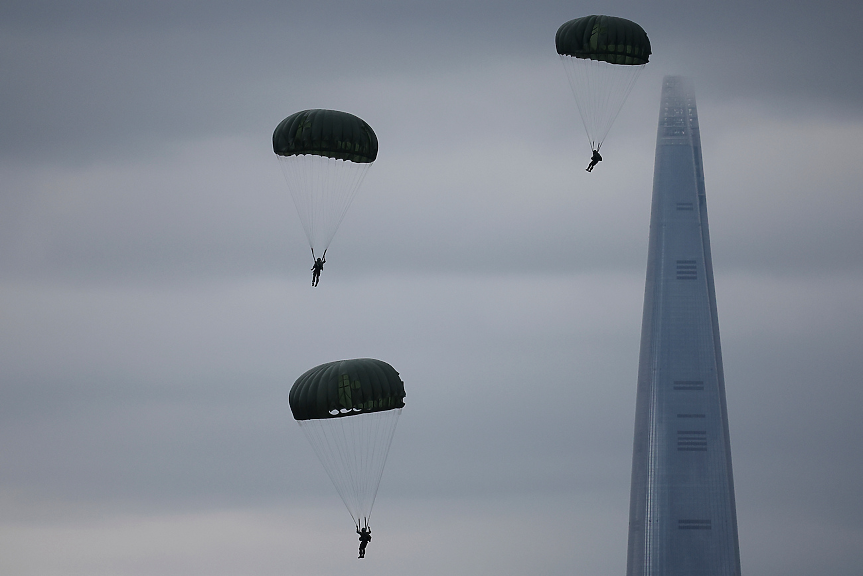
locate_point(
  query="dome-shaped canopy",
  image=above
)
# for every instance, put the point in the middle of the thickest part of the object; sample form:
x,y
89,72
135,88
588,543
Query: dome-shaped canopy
x,y
326,133
345,388
604,38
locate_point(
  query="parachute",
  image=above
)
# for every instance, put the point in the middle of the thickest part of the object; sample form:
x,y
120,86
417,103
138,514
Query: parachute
x,y
348,410
603,57
324,155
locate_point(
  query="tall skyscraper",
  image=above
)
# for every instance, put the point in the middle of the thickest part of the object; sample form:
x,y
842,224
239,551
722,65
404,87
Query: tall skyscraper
x,y
682,516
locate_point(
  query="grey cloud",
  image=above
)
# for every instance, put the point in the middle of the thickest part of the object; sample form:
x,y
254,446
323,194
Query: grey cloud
x,y
103,80
156,307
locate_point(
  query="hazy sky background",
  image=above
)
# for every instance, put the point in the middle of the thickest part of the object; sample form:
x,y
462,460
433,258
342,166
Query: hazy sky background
x,y
155,305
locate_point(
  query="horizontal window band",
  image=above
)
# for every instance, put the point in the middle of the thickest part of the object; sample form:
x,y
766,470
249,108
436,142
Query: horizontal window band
x,y
688,384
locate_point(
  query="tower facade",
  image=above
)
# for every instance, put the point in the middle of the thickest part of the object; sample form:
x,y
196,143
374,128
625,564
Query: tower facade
x,y
682,515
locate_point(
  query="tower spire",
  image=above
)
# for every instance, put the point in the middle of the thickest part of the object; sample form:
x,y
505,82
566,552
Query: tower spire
x,y
682,517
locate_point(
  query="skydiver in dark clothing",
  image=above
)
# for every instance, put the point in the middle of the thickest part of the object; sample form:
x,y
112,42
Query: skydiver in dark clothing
x,y
318,267
365,538
594,160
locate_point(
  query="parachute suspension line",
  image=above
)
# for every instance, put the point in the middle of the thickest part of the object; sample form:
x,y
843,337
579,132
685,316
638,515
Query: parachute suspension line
x,y
353,450
333,457
297,179
350,176
382,442
379,434
372,436
322,189
600,89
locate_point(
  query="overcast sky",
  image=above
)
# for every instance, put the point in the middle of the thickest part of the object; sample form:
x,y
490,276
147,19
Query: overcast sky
x,y
155,305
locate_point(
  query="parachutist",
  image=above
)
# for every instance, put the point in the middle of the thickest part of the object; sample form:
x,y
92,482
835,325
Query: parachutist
x,y
365,537
324,155
594,160
603,56
318,267
348,410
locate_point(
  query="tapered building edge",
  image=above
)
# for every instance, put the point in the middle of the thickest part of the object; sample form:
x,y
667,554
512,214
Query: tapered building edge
x,y
654,548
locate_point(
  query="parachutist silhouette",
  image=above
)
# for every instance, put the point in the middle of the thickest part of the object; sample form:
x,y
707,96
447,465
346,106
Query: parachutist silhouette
x,y
318,267
594,160
324,155
365,537
603,56
337,405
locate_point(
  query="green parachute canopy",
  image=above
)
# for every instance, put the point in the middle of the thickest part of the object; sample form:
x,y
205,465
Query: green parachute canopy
x,y
326,133
605,38
348,410
346,387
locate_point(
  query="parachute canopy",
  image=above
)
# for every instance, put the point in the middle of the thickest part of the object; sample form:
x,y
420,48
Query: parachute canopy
x,y
324,155
346,387
603,56
326,133
349,410
605,38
